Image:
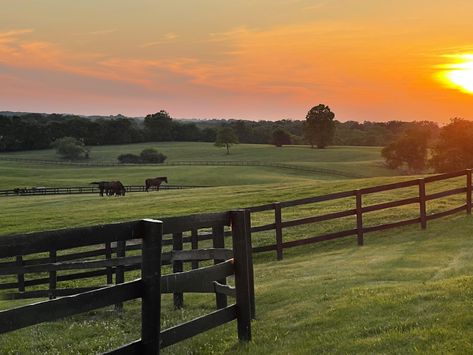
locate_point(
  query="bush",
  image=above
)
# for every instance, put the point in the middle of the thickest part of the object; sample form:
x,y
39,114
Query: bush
x,y
152,156
146,156
129,159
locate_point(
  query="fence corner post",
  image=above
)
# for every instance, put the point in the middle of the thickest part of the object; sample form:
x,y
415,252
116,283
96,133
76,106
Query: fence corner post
x,y
422,205
151,279
359,217
242,273
278,229
468,191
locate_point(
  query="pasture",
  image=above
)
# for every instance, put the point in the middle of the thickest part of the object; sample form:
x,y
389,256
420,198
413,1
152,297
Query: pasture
x,y
405,291
364,161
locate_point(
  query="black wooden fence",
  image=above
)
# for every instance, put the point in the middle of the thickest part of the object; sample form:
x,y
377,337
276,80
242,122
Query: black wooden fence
x,y
359,210
28,251
75,190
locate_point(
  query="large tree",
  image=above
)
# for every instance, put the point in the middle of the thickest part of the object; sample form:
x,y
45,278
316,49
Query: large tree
x,y
319,126
226,137
408,150
281,137
454,148
159,126
70,148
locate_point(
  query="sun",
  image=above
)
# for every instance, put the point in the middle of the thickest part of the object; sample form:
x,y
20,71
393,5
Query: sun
x,y
458,74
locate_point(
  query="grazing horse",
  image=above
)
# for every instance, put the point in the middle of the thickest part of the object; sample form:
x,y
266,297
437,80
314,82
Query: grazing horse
x,y
117,188
110,188
155,182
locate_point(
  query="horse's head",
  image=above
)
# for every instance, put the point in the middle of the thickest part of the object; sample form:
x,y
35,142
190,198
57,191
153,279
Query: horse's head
x,y
165,179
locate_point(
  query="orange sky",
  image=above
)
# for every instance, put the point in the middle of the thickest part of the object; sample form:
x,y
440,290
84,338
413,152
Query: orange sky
x,y
249,59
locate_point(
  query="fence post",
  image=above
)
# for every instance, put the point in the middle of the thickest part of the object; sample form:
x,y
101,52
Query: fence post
x,y
119,270
52,275
20,276
242,280
151,279
359,217
422,206
219,242
278,228
468,191
108,256
250,264
195,245
177,266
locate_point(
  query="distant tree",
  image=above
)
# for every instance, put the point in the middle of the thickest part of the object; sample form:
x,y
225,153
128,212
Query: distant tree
x,y
159,126
226,137
281,137
151,155
454,148
70,148
209,134
409,150
319,126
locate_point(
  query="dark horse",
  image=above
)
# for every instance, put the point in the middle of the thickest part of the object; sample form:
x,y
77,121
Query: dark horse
x,y
155,182
110,188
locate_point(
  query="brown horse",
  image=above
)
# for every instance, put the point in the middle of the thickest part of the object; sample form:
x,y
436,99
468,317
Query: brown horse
x,y
155,182
110,188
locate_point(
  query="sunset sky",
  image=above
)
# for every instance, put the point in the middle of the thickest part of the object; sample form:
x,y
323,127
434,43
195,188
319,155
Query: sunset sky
x,y
249,59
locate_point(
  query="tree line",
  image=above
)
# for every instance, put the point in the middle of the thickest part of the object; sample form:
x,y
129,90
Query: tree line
x,y
38,131
427,147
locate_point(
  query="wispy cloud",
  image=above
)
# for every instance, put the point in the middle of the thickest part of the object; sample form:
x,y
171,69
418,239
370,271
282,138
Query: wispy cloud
x,y
102,32
167,38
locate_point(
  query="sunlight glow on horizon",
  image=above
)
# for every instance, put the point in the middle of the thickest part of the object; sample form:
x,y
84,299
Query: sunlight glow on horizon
x,y
458,75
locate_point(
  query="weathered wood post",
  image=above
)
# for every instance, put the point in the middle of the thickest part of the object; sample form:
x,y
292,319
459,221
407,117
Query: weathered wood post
x,y
52,275
250,263
422,205
119,270
468,191
278,228
151,278
20,276
108,256
177,266
242,279
219,242
359,217
195,245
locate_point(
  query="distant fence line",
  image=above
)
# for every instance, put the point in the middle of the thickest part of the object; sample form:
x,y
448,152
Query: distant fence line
x,y
77,190
195,163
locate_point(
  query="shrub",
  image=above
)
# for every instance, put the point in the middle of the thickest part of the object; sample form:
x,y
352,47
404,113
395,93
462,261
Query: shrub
x,y
151,155
129,159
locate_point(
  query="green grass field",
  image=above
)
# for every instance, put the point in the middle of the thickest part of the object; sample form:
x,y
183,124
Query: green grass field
x,y
405,291
364,161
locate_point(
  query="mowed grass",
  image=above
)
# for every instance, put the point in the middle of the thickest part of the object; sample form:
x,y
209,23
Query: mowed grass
x,y
405,291
362,161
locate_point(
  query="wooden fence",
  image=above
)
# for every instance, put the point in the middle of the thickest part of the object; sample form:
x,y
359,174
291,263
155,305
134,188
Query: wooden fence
x,y
278,226
75,190
28,251
359,210
268,164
